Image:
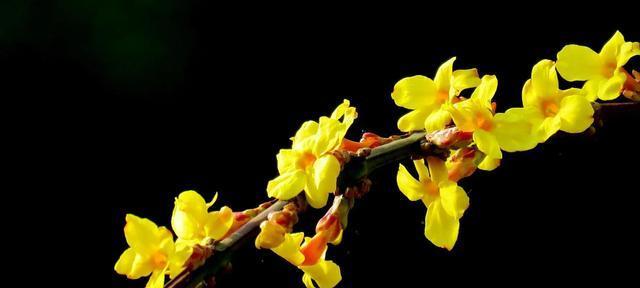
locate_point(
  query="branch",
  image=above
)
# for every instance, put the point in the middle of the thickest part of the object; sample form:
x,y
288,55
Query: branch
x,y
353,171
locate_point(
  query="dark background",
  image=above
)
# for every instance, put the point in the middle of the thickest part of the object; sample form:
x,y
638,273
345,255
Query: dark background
x,y
150,98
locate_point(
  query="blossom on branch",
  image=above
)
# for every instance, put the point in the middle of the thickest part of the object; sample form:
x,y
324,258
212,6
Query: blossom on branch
x,y
308,165
604,72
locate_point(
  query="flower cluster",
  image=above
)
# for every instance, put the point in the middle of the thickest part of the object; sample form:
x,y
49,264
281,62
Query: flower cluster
x,y
546,109
455,118
152,249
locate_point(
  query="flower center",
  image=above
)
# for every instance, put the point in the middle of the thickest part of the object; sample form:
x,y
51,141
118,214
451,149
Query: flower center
x,y
483,122
159,260
608,69
432,189
442,97
550,108
306,160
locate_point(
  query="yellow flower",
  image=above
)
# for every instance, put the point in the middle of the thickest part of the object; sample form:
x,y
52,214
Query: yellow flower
x,y
425,96
325,273
307,165
550,109
151,251
603,71
192,221
509,131
445,200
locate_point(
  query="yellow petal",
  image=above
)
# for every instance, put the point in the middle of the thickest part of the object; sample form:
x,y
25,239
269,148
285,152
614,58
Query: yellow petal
x,y
443,76
483,94
464,79
590,88
142,234
179,258
423,171
133,265
529,97
578,63
437,170
325,273
544,79
612,87
437,120
157,279
305,136
409,186
576,113
454,200
287,160
290,248
325,175
287,185
611,49
441,228
628,50
218,223
547,128
189,213
513,131
414,92
329,135
488,163
487,143
413,120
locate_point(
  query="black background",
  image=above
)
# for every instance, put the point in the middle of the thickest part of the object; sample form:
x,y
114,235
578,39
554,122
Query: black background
x,y
151,98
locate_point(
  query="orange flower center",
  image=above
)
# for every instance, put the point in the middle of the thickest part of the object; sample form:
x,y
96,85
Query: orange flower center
x,y
159,260
306,160
483,122
442,96
550,108
608,69
432,188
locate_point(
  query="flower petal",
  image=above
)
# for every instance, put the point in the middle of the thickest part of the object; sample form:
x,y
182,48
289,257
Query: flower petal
x,y
612,87
487,143
325,273
414,92
287,160
577,62
157,279
454,200
628,50
441,228
488,163
423,171
464,79
413,120
305,136
141,234
576,113
287,185
513,130
290,248
409,186
189,214
133,265
437,170
610,50
325,173
218,223
483,94
437,120
443,76
544,79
